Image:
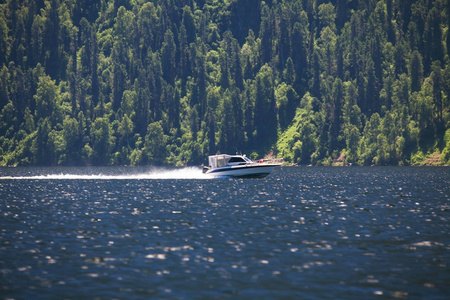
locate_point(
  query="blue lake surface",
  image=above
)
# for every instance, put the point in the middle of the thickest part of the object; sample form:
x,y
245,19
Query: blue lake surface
x,y
300,233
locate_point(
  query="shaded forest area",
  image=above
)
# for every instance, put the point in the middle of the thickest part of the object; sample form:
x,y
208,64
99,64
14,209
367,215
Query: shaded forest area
x,y
136,82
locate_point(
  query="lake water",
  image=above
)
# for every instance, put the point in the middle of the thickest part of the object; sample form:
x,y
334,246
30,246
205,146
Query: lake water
x,y
300,233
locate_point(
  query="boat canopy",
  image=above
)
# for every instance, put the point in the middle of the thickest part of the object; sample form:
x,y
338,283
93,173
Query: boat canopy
x,y
219,161
222,160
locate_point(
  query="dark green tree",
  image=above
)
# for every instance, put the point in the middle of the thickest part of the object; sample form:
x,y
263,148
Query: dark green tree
x,y
102,141
44,145
168,52
416,71
155,144
265,115
73,141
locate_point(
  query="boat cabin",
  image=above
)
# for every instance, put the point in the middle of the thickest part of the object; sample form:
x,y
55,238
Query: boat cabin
x,y
223,160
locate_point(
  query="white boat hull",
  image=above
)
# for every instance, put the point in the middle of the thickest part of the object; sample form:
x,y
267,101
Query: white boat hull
x,y
243,171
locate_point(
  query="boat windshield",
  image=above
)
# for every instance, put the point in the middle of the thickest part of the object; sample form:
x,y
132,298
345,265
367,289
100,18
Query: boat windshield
x,y
236,159
248,160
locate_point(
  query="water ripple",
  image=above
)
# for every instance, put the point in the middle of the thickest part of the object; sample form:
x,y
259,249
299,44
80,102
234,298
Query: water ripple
x,y
309,233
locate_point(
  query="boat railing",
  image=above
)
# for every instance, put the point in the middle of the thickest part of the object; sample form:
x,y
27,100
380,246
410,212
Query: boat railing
x,y
270,161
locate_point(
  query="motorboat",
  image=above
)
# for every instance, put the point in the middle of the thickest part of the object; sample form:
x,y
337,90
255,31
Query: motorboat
x,y
239,166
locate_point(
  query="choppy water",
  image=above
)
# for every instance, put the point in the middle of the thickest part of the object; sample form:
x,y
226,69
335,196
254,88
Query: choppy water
x,y
301,233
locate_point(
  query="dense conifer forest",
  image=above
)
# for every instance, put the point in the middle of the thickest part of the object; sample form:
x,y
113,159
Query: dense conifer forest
x,y
169,82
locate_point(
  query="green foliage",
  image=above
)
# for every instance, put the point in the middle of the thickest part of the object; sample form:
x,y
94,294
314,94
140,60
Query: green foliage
x,y
171,82
446,152
417,158
154,150
300,141
102,142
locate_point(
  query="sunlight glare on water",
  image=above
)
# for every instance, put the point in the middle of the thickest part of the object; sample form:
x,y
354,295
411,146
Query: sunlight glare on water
x,y
299,233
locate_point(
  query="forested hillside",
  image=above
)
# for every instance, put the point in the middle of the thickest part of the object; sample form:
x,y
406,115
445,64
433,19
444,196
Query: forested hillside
x,y
134,82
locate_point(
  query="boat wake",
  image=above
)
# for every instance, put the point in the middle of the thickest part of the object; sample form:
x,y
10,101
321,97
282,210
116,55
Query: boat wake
x,y
183,173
